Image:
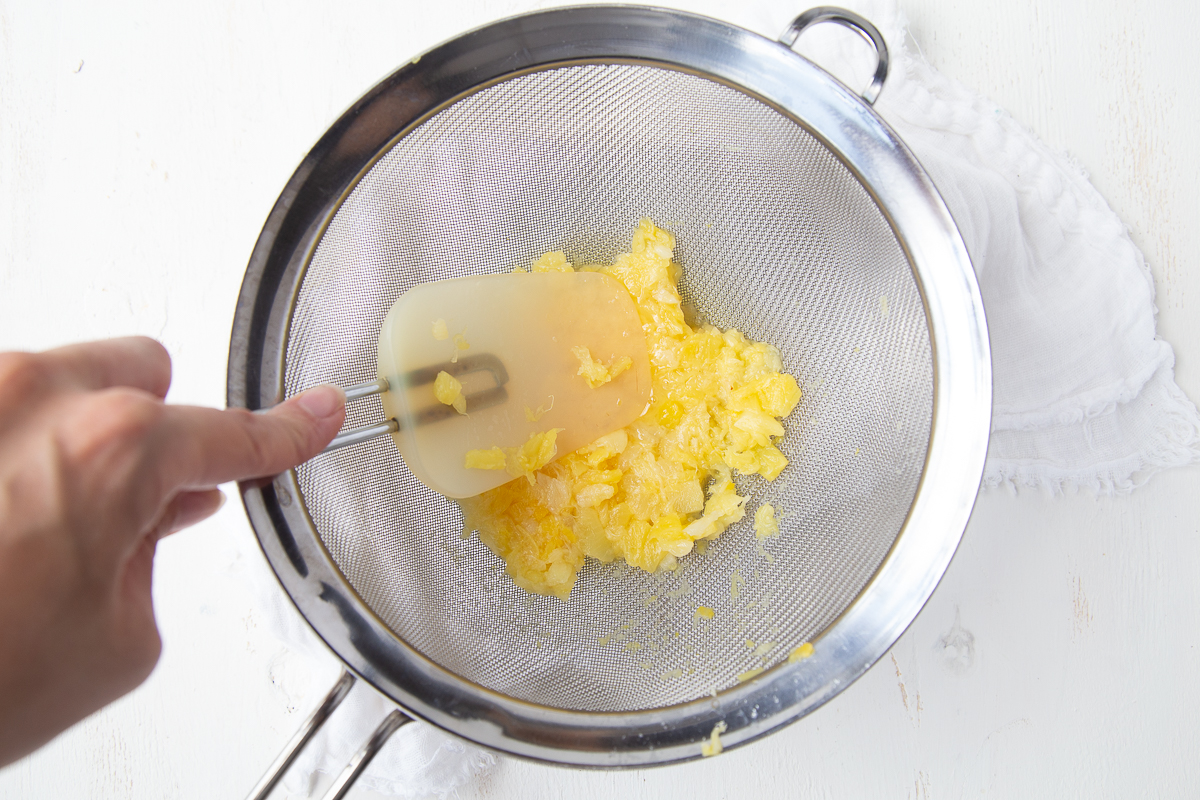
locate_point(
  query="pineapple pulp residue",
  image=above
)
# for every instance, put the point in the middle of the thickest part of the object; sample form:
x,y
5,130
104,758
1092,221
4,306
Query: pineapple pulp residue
x,y
800,653
534,416
460,344
448,390
766,524
639,493
492,458
521,462
596,373
713,746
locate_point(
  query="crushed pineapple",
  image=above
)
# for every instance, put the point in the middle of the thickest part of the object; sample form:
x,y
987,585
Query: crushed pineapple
x,y
448,390
533,455
534,416
763,649
713,746
492,458
440,331
765,523
595,373
704,612
639,493
553,262
749,674
521,462
800,653
460,344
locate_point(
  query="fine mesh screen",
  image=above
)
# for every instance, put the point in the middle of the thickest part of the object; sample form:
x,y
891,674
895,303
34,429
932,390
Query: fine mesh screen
x,y
775,237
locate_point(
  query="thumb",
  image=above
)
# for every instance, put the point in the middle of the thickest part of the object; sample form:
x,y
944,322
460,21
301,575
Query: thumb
x,y
235,444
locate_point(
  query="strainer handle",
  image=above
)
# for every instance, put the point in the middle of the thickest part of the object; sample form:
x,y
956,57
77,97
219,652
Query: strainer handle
x,y
847,19
311,725
391,723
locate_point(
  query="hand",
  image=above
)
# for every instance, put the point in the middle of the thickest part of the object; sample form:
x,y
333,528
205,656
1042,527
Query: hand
x,y
94,469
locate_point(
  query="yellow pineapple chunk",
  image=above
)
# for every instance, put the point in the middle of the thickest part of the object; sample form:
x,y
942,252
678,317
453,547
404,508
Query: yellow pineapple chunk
x,y
800,653
553,262
521,462
447,389
594,372
533,455
765,524
713,746
492,458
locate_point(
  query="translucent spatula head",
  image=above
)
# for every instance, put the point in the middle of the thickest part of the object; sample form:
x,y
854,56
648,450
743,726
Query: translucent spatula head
x,y
530,353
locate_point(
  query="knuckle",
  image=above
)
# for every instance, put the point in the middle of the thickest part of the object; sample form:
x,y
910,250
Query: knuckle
x,y
275,443
126,413
251,431
112,421
157,355
299,442
147,653
137,653
154,346
24,373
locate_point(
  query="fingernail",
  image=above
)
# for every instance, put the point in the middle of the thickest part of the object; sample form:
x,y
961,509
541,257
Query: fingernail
x,y
322,401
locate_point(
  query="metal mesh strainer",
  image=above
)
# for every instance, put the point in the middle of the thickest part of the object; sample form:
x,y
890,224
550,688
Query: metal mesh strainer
x,y
800,221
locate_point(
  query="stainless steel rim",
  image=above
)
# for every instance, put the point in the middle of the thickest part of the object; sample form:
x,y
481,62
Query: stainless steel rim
x,y
924,228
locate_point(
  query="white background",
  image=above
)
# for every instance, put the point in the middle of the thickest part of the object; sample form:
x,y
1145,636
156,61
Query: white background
x,y
142,146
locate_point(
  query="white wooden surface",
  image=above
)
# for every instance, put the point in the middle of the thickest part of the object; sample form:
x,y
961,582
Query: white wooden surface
x,y
141,147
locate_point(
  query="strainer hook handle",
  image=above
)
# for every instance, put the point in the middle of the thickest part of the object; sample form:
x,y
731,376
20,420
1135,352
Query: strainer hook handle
x,y
341,785
391,723
854,22
302,737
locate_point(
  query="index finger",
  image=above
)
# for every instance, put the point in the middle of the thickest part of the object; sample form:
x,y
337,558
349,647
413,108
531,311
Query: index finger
x,y
204,447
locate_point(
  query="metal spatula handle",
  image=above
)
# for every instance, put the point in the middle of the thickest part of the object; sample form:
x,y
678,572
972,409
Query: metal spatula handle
x,y
367,432
493,395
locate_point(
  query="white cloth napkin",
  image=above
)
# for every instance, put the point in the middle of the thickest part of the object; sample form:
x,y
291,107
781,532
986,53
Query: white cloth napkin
x,y
1084,390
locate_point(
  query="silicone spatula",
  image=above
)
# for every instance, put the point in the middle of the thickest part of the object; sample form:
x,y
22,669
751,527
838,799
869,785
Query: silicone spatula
x,y
515,344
